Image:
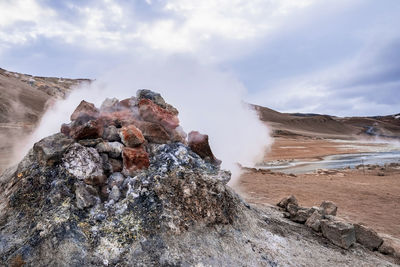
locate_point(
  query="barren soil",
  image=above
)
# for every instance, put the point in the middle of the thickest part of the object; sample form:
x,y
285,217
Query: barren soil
x,y
361,197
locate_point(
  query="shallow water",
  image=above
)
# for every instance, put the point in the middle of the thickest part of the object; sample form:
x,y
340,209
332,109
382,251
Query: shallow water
x,y
336,162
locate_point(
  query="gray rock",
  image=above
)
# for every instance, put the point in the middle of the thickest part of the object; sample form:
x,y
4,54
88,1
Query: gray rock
x,y
90,142
50,150
302,214
114,193
286,201
111,134
339,233
292,209
328,208
86,196
116,179
84,163
113,149
314,221
367,237
109,105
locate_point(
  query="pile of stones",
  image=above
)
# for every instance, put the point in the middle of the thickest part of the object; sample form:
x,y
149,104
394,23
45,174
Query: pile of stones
x,y
344,234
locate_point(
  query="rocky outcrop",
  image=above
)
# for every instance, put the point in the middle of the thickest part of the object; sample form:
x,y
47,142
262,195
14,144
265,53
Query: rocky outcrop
x,y
338,231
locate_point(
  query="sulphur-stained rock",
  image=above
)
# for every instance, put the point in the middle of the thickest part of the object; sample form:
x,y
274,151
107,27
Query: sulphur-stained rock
x,y
111,134
367,237
85,109
49,150
339,233
86,196
288,200
131,136
91,129
314,221
84,163
199,144
154,132
113,149
153,113
328,208
134,159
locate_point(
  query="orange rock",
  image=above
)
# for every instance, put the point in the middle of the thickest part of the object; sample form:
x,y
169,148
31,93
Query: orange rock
x,y
131,136
118,118
153,113
85,109
153,132
134,159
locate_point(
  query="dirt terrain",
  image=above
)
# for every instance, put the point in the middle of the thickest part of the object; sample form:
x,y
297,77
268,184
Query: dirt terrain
x,y
365,195
23,100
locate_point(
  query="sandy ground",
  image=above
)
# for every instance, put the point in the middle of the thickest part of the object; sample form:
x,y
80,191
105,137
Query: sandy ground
x,y
361,196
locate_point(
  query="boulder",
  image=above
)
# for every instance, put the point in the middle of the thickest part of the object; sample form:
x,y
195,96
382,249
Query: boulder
x,y
114,193
339,233
367,237
302,214
154,132
84,163
286,201
111,134
134,159
118,118
198,143
156,98
88,130
113,149
151,112
131,136
85,109
314,221
328,208
49,150
109,105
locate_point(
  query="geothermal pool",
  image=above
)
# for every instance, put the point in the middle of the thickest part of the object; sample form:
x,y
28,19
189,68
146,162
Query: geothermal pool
x,y
335,162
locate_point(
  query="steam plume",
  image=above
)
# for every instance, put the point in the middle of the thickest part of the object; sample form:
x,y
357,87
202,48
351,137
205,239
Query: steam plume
x,y
209,101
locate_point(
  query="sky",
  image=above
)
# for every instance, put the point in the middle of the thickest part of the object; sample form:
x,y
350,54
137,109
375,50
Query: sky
x,y
338,57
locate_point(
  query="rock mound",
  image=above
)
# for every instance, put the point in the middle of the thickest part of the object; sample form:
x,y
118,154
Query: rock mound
x,y
119,186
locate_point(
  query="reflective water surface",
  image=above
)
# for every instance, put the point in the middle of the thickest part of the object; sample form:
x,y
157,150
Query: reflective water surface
x,y
336,162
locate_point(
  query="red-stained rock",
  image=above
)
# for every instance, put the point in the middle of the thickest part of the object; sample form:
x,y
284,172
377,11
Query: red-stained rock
x,y
118,118
153,113
134,159
154,132
131,136
85,109
128,102
89,130
198,143
65,129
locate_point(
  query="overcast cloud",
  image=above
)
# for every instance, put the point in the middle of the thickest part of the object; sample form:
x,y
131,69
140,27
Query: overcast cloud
x,y
334,57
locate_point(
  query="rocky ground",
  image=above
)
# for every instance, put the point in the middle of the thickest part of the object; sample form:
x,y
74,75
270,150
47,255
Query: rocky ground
x,y
122,186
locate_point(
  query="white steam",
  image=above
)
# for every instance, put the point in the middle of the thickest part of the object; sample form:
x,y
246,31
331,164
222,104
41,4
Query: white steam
x,y
209,101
